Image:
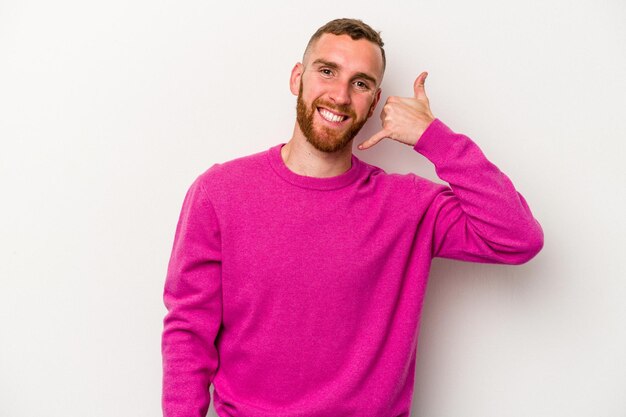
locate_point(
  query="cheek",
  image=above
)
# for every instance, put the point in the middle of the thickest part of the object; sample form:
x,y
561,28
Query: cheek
x,y
309,96
365,106
311,89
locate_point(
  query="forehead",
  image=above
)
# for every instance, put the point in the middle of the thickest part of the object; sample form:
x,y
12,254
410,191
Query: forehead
x,y
352,55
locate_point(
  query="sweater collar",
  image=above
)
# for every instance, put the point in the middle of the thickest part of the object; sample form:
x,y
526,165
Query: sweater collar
x,y
329,183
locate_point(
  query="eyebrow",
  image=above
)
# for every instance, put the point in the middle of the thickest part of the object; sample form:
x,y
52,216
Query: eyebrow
x,y
334,65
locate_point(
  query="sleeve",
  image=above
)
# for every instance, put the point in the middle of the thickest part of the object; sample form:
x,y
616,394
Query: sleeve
x,y
480,217
193,298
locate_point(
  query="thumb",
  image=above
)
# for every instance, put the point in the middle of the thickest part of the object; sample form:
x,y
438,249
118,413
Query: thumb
x,y
418,86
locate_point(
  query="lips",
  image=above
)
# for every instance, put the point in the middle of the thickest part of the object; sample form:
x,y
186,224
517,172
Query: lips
x,y
331,116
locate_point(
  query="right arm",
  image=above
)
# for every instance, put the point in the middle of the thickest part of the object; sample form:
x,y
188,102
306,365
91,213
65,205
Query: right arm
x,y
193,298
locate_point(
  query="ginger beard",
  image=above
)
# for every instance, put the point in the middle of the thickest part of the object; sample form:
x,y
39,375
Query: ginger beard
x,y
324,138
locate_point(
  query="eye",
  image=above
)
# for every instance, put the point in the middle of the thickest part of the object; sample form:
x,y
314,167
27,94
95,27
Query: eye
x,y
361,85
327,72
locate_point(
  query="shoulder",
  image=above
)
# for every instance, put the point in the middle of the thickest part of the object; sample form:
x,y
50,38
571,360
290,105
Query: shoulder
x,y
396,181
235,169
405,195
225,179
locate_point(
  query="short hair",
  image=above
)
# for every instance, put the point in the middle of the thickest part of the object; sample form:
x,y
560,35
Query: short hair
x,y
355,28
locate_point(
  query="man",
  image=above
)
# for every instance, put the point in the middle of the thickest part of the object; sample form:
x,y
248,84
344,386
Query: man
x,y
297,275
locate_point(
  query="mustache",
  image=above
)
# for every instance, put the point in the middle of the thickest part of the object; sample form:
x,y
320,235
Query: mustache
x,y
339,108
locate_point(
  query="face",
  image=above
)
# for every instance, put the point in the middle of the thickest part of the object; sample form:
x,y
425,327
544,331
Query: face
x,y
338,89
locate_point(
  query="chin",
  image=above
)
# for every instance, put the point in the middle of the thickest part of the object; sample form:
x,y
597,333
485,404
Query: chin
x,y
330,146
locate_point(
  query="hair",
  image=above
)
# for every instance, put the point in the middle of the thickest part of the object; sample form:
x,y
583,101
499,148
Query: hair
x,y
355,28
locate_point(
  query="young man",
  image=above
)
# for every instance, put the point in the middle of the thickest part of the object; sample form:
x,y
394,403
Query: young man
x,y
297,275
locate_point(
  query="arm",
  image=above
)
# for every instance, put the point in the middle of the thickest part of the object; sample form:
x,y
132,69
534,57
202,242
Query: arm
x,y
480,217
192,296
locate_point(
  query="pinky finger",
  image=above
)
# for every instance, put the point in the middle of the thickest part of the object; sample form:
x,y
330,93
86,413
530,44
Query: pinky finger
x,y
374,140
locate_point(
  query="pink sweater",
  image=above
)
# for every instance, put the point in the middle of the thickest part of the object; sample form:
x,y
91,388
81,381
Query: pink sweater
x,y
301,296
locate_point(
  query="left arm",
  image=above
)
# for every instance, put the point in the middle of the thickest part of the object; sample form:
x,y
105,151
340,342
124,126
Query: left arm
x,y
480,217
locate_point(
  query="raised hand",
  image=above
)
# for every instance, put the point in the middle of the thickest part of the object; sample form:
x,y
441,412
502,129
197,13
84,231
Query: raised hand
x,y
404,119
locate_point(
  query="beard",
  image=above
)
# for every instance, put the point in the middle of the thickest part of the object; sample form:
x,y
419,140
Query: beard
x,y
324,138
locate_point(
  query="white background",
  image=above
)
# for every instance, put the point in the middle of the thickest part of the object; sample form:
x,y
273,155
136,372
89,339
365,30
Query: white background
x,y
109,110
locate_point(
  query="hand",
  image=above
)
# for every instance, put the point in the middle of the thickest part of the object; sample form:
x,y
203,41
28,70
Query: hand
x,y
404,119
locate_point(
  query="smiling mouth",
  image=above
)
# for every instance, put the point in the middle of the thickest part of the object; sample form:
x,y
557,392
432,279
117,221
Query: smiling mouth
x,y
330,116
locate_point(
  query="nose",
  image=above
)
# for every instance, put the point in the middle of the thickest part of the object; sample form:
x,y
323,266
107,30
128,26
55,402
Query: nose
x,y
340,93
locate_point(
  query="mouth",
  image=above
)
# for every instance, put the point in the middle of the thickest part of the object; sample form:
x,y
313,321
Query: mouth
x,y
331,116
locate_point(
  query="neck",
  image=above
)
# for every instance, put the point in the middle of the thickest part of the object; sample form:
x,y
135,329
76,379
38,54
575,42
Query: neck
x,y
304,159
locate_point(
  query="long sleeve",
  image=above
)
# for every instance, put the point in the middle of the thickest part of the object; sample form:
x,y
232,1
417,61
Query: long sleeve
x,y
193,298
480,217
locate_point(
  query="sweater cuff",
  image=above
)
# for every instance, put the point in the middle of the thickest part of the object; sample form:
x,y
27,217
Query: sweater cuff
x,y
436,141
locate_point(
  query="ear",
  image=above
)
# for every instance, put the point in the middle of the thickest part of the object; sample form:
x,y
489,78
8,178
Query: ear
x,y
374,103
294,80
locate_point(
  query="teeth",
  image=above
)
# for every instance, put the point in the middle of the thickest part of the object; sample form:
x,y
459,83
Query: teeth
x,y
331,117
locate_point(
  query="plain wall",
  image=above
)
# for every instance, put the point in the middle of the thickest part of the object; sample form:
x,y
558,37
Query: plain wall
x,y
109,110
